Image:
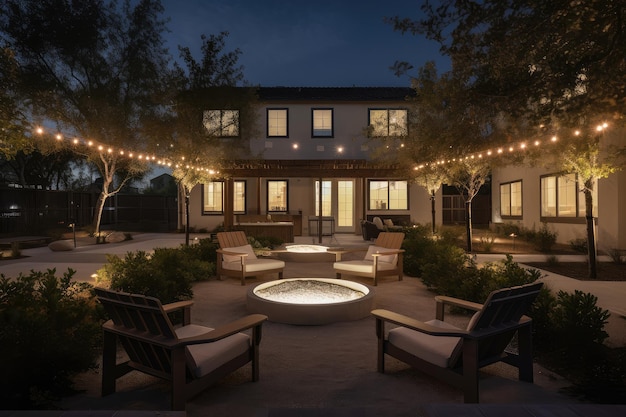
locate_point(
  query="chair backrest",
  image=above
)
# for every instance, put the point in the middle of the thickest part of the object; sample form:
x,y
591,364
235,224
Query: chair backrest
x,y
503,309
139,314
390,240
232,239
505,306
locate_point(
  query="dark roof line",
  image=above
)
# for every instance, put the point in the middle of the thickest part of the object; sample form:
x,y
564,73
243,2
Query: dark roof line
x,y
335,93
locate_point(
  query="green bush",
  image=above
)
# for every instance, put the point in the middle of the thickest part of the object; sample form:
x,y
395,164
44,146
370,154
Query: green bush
x,y
49,332
578,321
167,274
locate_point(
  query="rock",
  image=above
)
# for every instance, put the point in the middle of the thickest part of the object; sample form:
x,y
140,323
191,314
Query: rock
x,y
61,245
116,237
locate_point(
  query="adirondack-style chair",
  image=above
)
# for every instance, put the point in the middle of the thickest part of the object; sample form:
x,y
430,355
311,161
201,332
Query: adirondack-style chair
x,y
456,355
383,258
236,258
191,357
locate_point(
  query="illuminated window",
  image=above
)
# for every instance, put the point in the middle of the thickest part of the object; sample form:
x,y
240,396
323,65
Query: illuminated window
x,y
222,123
322,123
239,197
511,199
213,197
277,123
388,122
326,198
388,195
559,196
345,203
277,196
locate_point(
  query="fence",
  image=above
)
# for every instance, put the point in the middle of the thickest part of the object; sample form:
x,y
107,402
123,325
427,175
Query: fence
x,y
31,211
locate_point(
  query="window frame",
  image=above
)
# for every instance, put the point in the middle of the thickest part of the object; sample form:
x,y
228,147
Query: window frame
x,y
267,122
510,200
223,188
220,131
332,123
559,217
387,202
375,134
267,196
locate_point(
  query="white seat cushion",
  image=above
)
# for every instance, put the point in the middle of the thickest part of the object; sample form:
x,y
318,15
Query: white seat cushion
x,y
362,266
379,223
438,350
391,259
206,357
255,265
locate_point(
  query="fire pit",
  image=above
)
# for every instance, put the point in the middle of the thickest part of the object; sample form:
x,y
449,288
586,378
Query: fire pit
x,y
311,301
305,253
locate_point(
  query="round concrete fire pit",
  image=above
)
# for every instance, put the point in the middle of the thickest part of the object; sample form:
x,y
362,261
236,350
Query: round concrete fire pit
x,y
311,301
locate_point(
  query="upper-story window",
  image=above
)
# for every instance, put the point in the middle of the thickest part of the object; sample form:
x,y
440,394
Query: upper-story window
x,y
322,123
388,122
388,195
277,123
222,123
511,199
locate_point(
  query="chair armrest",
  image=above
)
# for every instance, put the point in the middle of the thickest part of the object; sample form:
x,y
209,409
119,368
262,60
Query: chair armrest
x,y
457,302
339,252
239,325
226,252
388,252
411,323
178,305
185,306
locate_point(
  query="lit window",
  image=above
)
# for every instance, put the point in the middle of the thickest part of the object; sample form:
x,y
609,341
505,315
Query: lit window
x,y
322,123
239,197
511,199
222,123
213,197
276,196
277,123
559,196
326,198
388,122
388,195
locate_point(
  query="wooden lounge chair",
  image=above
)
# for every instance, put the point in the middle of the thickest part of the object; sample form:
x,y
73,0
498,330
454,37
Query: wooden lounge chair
x,y
383,258
191,357
236,258
456,355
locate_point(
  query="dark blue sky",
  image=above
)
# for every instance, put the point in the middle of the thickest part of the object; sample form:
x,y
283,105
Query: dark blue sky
x,y
310,43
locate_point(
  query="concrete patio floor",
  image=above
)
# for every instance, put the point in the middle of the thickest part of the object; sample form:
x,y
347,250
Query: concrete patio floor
x,y
305,370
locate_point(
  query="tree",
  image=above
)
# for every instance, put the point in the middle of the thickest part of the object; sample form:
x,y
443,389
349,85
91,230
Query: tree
x,y
208,113
545,65
94,69
13,111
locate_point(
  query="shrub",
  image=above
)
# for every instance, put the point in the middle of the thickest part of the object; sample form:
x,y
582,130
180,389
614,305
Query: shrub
x,y
579,322
579,245
49,332
544,239
166,274
616,256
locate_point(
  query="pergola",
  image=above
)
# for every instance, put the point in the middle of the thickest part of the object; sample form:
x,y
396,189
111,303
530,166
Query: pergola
x,y
302,168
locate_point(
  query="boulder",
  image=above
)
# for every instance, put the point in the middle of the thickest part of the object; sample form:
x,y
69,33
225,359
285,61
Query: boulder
x,y
61,245
116,237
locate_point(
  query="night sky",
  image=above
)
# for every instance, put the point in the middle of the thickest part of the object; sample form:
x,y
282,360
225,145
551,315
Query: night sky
x,y
323,43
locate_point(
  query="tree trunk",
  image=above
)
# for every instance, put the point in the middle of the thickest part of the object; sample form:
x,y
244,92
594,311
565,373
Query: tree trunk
x,y
468,224
186,217
591,232
98,214
432,208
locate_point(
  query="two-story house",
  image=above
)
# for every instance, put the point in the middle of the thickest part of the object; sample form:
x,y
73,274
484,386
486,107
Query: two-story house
x,y
315,147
